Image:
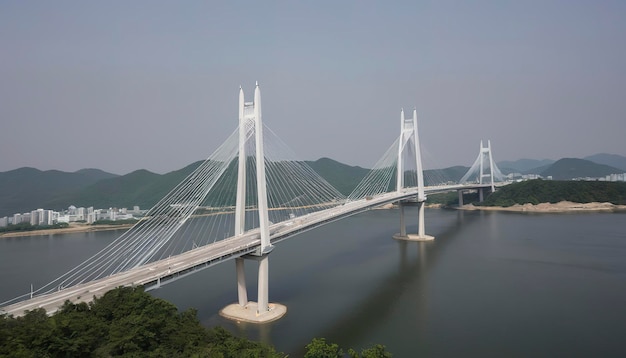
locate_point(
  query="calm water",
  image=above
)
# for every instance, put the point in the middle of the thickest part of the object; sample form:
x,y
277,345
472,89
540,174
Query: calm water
x,y
491,284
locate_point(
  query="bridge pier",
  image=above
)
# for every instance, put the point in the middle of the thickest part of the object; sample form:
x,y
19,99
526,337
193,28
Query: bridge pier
x,y
460,192
402,223
261,311
242,291
421,231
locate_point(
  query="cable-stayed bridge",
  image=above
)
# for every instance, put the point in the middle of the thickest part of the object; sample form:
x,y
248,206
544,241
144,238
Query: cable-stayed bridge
x,y
250,194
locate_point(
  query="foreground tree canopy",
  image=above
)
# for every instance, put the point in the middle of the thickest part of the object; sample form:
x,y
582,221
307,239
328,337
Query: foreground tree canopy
x,y
318,348
124,322
131,323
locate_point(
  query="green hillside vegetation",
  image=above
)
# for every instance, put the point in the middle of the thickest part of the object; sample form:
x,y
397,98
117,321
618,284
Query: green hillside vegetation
x,y
551,191
570,168
26,189
439,176
141,187
128,322
145,188
342,177
451,198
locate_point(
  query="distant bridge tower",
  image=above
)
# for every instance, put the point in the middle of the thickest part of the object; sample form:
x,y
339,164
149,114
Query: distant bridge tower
x,y
244,310
485,154
409,141
484,171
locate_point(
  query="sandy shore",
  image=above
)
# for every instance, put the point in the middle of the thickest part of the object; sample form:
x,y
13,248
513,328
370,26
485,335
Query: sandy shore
x,y
560,207
73,228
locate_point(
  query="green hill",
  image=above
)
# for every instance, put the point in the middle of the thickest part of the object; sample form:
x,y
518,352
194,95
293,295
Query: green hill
x,y
26,189
145,188
439,176
141,187
570,168
341,176
551,191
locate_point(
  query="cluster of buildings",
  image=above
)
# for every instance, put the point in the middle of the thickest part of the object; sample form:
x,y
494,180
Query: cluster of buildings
x,y
89,215
610,177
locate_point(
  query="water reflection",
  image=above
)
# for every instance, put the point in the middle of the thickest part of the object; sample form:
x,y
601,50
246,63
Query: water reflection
x,y
415,261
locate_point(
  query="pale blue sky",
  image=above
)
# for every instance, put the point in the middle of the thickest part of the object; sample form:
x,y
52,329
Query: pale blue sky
x,y
124,85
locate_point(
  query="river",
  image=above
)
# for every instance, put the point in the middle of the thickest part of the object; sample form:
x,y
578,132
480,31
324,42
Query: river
x,y
491,284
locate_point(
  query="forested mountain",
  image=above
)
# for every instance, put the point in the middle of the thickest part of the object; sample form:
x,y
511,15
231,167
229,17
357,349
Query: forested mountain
x,y
341,176
141,187
27,189
570,168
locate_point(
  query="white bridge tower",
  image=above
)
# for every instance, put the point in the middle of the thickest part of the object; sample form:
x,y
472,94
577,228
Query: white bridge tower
x,y
409,141
484,172
261,311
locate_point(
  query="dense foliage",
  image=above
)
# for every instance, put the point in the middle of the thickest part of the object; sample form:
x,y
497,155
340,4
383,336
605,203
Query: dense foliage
x,y
318,348
549,191
28,227
25,189
127,322
124,322
451,198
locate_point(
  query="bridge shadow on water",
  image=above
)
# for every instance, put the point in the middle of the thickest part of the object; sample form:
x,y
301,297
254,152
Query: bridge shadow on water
x,y
412,271
371,305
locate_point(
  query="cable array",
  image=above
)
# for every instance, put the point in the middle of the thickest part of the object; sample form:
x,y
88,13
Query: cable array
x,y
142,243
379,179
294,189
200,210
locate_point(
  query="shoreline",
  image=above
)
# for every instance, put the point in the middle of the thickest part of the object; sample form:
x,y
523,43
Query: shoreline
x,y
560,207
76,228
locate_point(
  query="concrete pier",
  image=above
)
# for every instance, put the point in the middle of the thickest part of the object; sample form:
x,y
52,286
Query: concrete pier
x,y
413,237
248,313
420,236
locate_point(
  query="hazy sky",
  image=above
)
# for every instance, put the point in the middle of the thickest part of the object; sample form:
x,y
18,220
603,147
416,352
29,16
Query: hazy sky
x,y
125,85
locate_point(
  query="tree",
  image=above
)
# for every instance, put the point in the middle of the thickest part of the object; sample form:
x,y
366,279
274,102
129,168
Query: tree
x,y
318,348
377,351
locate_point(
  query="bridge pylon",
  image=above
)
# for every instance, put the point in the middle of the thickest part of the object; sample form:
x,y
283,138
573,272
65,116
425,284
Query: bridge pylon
x,y
261,311
409,141
483,172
